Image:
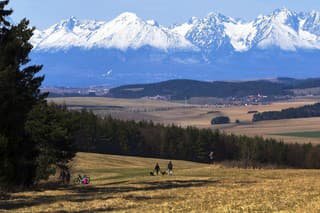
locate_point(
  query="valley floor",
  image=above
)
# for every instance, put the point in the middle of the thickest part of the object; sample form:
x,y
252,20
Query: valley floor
x,y
200,115
123,184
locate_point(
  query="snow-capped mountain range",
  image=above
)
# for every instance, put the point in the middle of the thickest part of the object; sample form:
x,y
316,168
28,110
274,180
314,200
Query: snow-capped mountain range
x,y
204,46
283,28
125,31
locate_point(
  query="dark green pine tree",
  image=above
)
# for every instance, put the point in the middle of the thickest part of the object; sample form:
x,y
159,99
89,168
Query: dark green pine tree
x,y
19,92
4,12
51,129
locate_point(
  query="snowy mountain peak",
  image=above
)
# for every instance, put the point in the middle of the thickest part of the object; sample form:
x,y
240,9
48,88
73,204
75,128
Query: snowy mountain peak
x,y
127,17
71,19
214,15
283,11
285,16
282,29
218,17
69,23
193,20
209,33
153,23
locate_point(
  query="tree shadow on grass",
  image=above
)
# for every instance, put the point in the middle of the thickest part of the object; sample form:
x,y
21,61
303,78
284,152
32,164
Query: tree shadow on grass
x,y
105,209
17,202
80,194
172,184
144,186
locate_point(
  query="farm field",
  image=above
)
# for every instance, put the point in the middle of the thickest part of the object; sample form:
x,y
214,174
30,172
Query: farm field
x,y
123,184
201,115
302,134
275,129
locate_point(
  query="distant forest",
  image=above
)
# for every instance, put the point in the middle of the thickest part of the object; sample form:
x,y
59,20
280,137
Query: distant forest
x,y
146,139
184,89
300,112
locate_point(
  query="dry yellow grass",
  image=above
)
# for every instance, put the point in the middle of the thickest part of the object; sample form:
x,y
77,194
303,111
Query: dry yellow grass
x,y
99,101
200,116
122,184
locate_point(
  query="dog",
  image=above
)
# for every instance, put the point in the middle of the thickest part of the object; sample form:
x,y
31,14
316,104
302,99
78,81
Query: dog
x,y
151,174
163,173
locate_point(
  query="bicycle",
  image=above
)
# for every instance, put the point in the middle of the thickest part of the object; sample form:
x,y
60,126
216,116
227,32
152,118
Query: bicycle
x,y
82,180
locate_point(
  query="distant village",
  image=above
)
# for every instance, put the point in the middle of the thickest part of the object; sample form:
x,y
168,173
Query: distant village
x,y
74,92
101,91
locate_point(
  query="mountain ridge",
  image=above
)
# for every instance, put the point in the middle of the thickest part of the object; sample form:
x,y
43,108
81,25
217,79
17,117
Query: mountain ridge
x,y
181,89
130,50
282,28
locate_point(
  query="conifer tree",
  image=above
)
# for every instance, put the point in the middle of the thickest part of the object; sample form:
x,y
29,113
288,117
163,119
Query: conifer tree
x,y
51,129
19,92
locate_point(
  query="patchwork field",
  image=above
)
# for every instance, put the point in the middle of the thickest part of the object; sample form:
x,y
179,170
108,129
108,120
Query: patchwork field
x,y
123,184
201,115
279,129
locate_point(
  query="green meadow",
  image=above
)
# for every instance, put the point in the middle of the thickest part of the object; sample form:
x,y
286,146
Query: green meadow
x,y
302,134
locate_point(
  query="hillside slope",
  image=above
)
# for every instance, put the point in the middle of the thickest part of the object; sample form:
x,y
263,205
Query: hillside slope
x,y
185,89
123,184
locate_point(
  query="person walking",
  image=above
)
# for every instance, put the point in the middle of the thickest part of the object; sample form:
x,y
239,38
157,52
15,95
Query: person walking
x,y
62,176
170,168
68,176
211,157
157,168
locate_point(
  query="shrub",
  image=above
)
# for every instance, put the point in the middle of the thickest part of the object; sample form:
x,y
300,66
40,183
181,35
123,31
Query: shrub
x,y
220,120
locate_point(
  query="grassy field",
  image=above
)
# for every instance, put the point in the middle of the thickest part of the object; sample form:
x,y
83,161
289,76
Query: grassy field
x,y
302,134
123,184
200,116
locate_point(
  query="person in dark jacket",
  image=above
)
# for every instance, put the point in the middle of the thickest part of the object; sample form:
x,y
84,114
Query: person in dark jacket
x,y
68,176
170,168
62,176
157,168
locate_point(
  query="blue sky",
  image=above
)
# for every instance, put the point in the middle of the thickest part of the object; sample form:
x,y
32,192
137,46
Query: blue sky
x,y
43,13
